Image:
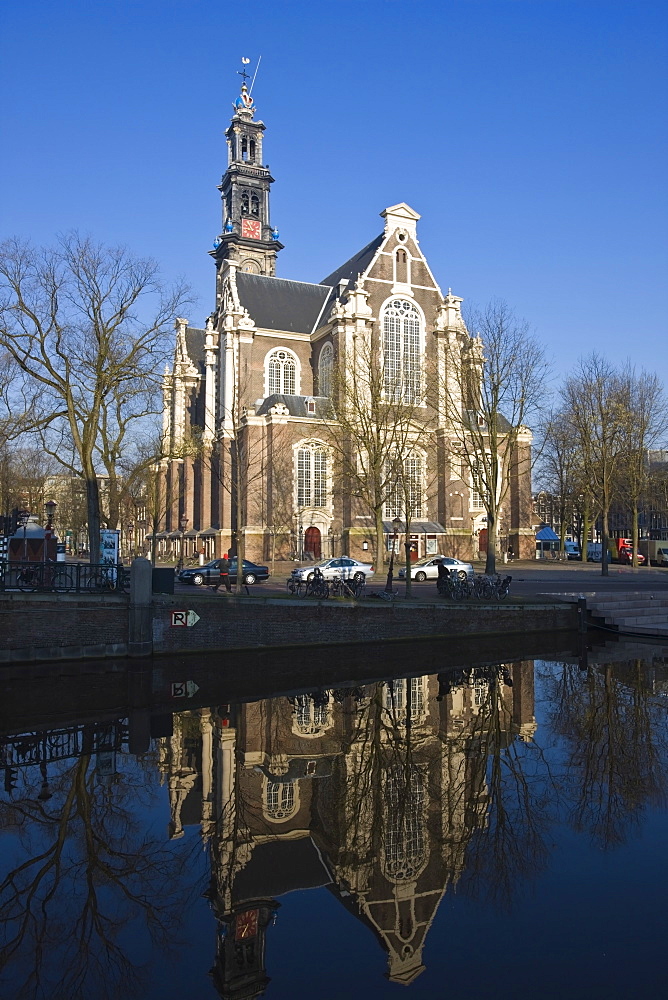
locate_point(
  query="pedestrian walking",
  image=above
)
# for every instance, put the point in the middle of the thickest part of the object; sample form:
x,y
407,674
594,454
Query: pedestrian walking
x,y
225,574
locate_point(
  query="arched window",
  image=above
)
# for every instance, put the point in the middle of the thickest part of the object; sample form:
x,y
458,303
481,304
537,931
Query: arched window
x,y
281,370
255,205
401,351
405,854
401,266
280,801
407,487
312,475
398,694
325,365
312,715
245,203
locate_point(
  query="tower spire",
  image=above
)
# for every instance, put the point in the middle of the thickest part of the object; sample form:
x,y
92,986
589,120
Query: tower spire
x,y
247,237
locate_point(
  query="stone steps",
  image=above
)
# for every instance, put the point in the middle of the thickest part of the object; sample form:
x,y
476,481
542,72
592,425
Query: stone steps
x,y
645,613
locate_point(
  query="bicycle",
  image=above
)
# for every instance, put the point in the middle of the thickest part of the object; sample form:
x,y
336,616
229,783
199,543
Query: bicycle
x,y
452,587
44,576
108,578
296,587
502,587
483,588
317,586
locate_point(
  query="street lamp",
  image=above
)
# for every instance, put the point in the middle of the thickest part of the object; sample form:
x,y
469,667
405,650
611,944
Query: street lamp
x,y
142,524
23,518
50,507
184,524
396,524
130,538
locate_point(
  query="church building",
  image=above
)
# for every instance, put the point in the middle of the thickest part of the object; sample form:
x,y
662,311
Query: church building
x,y
252,440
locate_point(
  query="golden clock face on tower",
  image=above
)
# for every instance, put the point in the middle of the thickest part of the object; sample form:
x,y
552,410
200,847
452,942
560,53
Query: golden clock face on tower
x,y
245,925
251,229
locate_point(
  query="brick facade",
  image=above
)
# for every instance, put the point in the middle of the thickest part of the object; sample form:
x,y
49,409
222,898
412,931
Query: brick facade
x,y
221,392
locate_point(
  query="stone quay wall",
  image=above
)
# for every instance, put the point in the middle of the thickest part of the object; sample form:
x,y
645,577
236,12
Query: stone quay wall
x,y
41,627
243,623
45,628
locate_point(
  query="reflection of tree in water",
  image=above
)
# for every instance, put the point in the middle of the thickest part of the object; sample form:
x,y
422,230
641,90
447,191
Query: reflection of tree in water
x,y
617,746
514,782
91,873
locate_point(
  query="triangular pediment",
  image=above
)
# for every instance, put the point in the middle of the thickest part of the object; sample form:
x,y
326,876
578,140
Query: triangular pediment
x,y
401,211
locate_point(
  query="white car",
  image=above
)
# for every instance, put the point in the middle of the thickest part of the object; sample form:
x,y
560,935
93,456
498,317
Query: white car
x,y
427,568
343,567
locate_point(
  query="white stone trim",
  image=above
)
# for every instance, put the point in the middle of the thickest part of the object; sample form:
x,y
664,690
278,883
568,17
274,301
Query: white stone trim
x,y
298,373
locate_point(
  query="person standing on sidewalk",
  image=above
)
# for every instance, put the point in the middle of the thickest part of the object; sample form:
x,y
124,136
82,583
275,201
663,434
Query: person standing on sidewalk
x,y
225,574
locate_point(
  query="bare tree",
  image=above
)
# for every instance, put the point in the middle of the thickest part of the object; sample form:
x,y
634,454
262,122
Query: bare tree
x,y
490,389
374,436
646,419
86,327
562,474
595,399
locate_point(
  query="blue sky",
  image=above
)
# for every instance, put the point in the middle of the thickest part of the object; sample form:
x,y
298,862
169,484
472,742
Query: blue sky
x,y
530,135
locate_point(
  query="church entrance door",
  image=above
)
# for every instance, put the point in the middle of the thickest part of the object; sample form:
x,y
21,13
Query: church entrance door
x,y
312,542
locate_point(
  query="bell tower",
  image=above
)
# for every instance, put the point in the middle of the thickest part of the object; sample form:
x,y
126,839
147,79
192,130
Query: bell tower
x,y
247,238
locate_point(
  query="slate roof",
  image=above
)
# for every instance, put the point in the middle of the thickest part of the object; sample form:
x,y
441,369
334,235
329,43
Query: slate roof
x,y
279,304
418,527
297,406
355,266
281,866
504,425
195,340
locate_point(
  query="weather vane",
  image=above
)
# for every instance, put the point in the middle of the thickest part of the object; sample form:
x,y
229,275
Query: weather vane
x,y
242,72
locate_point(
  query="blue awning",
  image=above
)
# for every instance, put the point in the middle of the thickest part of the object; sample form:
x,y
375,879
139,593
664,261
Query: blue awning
x,y
546,535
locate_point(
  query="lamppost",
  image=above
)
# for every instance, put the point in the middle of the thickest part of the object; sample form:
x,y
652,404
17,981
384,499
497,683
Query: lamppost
x,y
142,524
130,538
396,524
184,524
23,518
50,507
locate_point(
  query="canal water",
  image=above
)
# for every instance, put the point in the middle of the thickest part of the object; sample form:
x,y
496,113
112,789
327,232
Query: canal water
x,y
492,829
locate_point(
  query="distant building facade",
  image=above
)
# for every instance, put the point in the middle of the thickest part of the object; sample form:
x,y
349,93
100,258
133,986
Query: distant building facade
x,y
251,395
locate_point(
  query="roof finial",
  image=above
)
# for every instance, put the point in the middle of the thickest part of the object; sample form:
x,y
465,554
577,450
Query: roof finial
x,y
242,72
244,103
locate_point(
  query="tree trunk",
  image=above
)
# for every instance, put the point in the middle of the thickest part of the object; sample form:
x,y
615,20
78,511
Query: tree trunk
x,y
380,541
562,535
634,534
239,516
604,542
585,532
492,528
407,550
93,511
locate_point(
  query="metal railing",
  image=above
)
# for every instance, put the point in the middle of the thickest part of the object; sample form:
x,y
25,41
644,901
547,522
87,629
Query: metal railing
x,y
63,578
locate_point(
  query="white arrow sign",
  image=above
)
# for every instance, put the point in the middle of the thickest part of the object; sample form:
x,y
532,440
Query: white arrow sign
x,y
184,619
184,689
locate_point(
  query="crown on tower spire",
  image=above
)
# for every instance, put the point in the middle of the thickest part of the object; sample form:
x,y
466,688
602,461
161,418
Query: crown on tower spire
x,y
244,103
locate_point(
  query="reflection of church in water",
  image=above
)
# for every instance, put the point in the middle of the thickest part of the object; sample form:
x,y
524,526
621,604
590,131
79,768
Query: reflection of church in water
x,y
372,792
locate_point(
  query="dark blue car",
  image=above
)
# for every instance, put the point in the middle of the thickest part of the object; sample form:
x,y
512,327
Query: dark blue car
x,y
209,574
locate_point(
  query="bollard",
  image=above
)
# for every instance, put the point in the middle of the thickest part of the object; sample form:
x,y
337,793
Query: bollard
x,y
140,638
582,613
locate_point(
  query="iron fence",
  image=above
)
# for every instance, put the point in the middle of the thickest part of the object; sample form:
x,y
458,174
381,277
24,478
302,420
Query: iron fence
x,y
63,578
